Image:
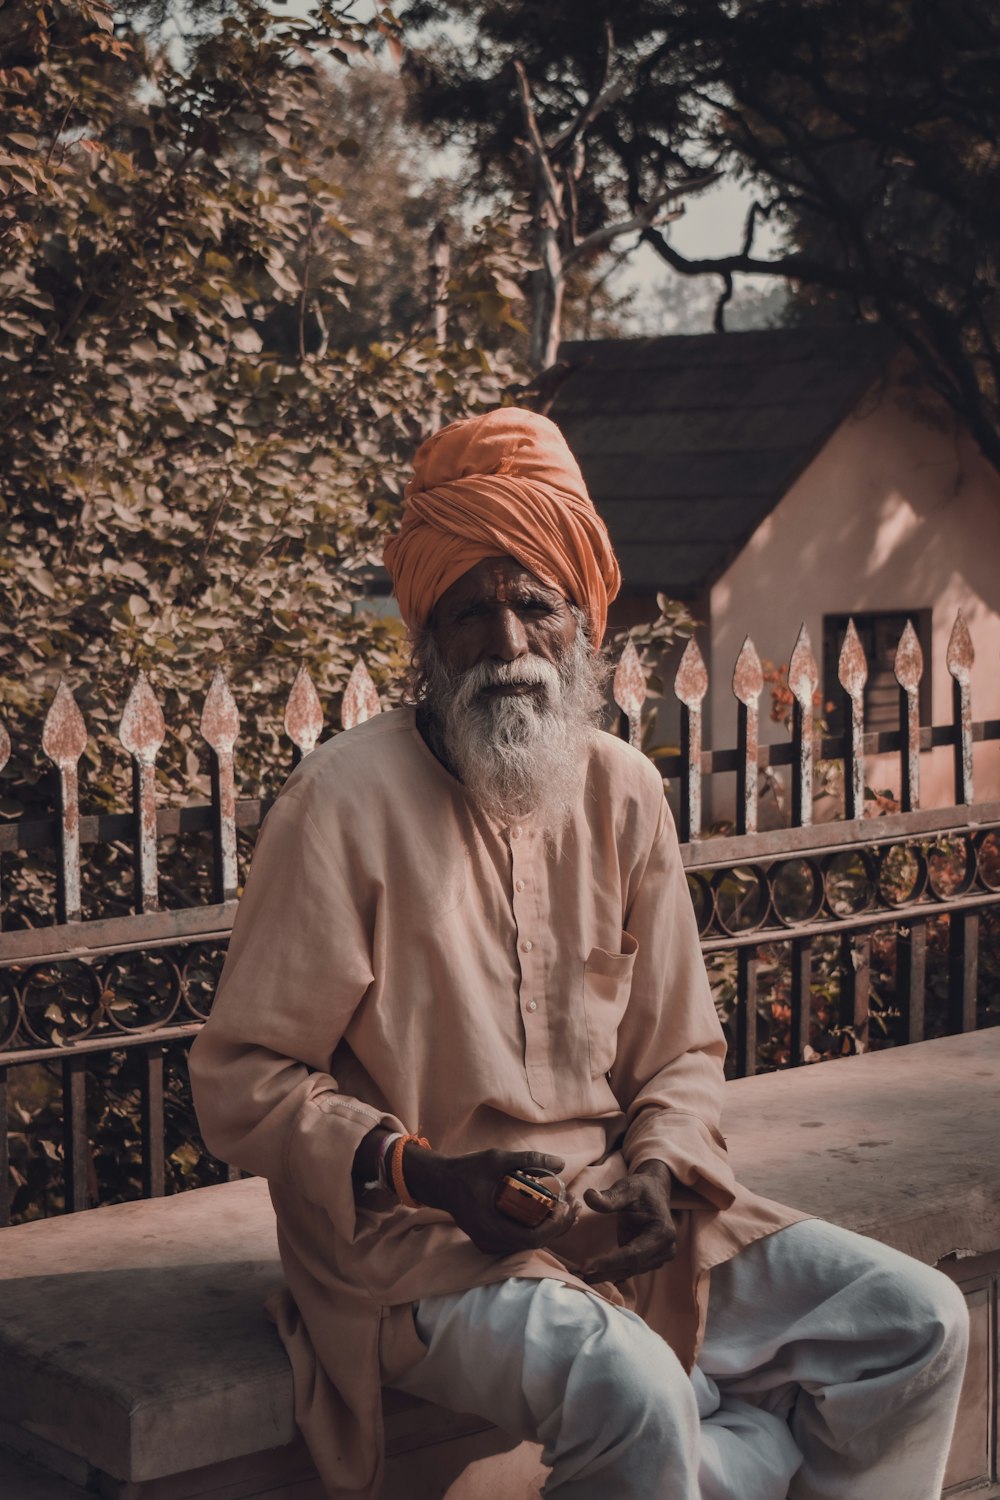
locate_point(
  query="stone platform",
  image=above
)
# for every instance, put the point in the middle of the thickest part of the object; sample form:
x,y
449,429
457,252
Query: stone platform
x,y
136,1361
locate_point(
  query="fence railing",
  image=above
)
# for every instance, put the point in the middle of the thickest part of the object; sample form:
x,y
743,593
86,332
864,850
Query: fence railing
x,y
817,896
812,887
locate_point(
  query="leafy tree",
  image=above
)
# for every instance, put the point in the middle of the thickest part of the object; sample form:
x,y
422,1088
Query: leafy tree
x,y
182,483
535,99
202,422
393,202
867,129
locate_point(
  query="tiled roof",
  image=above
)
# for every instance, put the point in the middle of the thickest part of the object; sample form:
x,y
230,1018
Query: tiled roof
x,y
688,442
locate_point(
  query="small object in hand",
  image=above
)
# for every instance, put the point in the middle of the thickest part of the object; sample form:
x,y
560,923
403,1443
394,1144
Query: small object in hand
x,y
524,1198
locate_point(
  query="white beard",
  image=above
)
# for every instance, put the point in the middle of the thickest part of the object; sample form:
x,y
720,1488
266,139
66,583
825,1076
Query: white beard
x,y
518,754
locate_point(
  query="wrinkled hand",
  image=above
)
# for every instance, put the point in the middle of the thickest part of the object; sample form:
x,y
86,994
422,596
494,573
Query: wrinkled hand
x,y
466,1186
647,1236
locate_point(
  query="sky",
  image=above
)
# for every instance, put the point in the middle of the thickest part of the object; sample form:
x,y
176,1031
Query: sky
x,y
712,224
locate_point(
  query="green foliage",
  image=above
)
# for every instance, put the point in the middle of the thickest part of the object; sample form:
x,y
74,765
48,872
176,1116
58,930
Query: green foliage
x,y
535,103
832,1032
193,473
203,421
867,130
114,1157
464,91
653,641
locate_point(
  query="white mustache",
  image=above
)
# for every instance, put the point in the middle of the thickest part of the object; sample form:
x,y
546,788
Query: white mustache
x,y
530,670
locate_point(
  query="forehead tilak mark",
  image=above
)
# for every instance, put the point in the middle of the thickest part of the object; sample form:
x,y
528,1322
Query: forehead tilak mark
x,y
509,586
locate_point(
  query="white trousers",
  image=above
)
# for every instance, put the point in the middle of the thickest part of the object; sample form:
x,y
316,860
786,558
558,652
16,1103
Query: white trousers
x,y
831,1370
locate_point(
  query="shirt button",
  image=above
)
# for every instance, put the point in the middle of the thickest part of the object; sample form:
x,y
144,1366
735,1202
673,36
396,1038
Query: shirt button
x,y
531,1005
519,885
515,833
527,945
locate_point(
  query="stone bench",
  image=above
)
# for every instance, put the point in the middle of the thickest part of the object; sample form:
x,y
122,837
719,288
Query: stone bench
x,y
136,1361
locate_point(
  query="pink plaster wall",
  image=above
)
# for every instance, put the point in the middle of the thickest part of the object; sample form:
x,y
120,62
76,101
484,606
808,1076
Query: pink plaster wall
x,y
894,513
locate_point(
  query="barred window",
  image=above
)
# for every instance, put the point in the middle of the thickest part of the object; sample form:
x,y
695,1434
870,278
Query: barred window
x,y
879,632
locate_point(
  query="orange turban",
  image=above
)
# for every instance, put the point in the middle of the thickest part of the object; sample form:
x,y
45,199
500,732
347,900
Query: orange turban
x,y
501,485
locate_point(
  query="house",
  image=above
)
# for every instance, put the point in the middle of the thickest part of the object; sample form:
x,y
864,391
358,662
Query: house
x,y
789,476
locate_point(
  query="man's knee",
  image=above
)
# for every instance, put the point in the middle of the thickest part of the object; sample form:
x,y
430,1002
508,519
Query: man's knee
x,y
634,1386
925,1311
946,1311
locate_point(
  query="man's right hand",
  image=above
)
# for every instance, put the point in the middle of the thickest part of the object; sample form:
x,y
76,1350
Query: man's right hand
x,y
466,1187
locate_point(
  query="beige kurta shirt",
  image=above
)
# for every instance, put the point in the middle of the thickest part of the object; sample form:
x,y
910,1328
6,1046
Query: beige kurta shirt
x,y
401,959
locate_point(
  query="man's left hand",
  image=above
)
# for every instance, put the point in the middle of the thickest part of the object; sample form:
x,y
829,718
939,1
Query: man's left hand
x,y
647,1236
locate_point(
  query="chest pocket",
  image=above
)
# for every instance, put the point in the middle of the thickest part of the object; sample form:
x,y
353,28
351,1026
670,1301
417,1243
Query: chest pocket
x,y
607,984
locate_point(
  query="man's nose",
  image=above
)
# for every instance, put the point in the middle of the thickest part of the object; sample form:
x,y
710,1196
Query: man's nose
x,y
508,638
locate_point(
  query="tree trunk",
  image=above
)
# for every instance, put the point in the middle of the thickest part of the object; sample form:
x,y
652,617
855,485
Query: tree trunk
x,y
547,286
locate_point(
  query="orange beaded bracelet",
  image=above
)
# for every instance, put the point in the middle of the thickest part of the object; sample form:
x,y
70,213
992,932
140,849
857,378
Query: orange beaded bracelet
x,y
396,1167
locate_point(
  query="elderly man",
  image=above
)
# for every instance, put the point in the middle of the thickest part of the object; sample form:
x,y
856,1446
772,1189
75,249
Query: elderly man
x,y
467,948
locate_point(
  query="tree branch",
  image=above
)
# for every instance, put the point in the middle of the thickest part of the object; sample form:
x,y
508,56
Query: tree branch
x,y
641,220
792,267
538,148
750,224
572,206
603,97
719,316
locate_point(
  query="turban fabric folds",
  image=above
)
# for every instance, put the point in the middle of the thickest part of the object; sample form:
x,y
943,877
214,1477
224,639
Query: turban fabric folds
x,y
500,485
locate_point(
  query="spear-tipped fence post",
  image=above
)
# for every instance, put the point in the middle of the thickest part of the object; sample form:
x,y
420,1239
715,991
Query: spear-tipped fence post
x,y
803,678
855,985
909,668
76,1145
303,716
747,964
690,686
361,700
960,659
628,688
142,732
748,684
220,728
4,758
855,948
911,978
802,681
64,739
801,997
151,1120
852,672
963,927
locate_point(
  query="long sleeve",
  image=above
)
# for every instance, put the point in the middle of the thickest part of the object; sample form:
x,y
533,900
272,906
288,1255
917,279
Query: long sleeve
x,y
668,1072
298,965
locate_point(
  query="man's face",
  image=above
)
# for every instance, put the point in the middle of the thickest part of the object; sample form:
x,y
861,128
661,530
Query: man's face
x,y
499,612
509,677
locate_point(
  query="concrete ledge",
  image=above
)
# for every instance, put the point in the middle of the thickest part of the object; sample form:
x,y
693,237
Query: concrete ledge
x,y
903,1145
133,1340
22,1480
136,1333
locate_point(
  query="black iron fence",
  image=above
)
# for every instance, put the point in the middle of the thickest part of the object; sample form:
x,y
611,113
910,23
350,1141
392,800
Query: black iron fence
x,y
788,918
808,902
